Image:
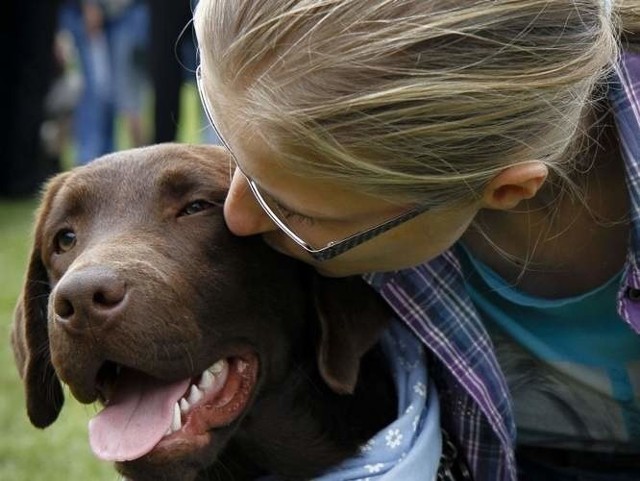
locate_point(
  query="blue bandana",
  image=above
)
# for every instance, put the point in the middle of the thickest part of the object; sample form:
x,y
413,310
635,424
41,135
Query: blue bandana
x,y
408,449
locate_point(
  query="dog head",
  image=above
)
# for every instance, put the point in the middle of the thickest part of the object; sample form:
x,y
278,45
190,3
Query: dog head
x,y
138,296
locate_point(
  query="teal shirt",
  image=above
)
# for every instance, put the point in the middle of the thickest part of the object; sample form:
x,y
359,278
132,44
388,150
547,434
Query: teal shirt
x,y
572,366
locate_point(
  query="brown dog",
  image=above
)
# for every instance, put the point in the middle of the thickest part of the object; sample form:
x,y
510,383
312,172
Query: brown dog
x,y
216,357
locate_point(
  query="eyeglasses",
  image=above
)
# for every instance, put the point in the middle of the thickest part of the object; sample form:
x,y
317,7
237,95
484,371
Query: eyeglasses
x,y
285,220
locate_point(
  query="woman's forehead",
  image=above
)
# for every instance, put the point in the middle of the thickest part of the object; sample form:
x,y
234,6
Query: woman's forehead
x,y
309,196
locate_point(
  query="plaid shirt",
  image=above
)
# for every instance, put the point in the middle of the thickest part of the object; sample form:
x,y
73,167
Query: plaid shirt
x,y
431,299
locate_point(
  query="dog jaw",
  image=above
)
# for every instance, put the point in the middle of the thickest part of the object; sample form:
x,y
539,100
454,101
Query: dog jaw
x,y
132,423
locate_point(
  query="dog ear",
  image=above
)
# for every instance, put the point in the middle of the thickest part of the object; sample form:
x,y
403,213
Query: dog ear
x,y
29,334
352,317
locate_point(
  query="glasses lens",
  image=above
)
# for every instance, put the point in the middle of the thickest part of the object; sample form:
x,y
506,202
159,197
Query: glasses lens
x,y
297,226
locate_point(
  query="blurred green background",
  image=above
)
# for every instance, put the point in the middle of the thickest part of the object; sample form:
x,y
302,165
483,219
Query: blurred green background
x,y
60,452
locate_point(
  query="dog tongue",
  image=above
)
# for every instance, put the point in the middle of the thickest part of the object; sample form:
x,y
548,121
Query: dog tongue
x,y
136,418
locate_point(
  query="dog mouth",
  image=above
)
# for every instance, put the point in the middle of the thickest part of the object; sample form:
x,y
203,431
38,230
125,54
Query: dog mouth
x,y
145,416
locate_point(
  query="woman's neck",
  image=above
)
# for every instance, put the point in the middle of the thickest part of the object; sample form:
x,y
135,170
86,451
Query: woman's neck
x,y
564,248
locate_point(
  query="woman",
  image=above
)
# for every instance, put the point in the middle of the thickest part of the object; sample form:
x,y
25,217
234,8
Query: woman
x,y
469,158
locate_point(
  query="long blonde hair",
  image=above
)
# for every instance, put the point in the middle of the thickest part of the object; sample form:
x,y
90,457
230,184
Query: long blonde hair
x,y
424,100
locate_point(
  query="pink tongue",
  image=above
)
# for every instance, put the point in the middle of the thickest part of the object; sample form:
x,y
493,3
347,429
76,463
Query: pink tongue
x,y
136,418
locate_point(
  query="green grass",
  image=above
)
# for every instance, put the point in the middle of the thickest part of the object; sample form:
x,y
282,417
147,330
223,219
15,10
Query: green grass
x,y
60,452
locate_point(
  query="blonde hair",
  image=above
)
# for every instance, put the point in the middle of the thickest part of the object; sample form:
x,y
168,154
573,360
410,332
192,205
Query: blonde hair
x,y
424,100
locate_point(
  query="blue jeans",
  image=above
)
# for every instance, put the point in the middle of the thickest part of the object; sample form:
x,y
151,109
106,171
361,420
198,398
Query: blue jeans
x,y
114,78
128,39
94,115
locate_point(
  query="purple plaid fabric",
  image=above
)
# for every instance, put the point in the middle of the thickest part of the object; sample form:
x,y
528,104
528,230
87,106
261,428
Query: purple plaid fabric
x,y
431,299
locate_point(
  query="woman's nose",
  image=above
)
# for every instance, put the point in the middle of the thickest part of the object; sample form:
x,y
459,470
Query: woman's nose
x,y
242,213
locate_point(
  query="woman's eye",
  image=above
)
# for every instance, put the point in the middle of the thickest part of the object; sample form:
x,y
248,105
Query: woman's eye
x,y
65,240
298,218
294,217
195,207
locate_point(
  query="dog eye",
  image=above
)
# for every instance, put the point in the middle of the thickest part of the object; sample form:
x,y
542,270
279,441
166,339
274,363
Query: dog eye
x,y
195,207
65,240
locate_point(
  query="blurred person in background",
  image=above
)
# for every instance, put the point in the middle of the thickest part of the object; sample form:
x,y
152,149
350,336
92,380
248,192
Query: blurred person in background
x,y
110,37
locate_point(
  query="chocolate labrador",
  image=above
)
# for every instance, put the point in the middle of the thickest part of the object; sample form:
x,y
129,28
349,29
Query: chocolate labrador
x,y
214,356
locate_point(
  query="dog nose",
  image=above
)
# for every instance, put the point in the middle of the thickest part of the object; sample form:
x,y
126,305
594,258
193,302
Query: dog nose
x,y
89,298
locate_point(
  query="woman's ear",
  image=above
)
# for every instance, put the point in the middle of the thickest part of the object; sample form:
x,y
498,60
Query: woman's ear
x,y
515,184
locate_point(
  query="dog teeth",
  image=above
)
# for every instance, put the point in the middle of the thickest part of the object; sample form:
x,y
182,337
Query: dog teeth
x,y
179,409
218,367
206,381
195,395
176,422
242,366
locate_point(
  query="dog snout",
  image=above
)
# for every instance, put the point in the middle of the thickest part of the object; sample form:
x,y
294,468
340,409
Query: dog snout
x,y
89,298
